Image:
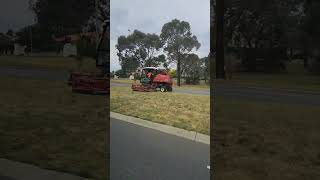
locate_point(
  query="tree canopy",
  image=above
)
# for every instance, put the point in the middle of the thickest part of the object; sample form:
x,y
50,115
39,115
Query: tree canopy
x,y
178,40
175,45
255,24
60,17
139,49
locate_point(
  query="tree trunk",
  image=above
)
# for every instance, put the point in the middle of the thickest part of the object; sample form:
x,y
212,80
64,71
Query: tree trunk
x,y
220,72
178,70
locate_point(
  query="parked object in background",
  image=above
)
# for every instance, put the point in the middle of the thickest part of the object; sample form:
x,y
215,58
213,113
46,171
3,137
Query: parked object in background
x,y
131,77
19,50
69,50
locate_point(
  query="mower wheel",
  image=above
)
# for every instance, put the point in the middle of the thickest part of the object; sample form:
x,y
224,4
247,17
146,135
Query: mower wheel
x,y
163,89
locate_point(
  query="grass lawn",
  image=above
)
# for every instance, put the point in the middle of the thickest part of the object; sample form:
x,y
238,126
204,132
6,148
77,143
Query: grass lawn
x,y
50,63
44,124
122,80
253,140
190,112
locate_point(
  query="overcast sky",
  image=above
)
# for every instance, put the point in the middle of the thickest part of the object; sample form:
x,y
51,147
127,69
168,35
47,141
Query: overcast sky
x,y
15,14
149,16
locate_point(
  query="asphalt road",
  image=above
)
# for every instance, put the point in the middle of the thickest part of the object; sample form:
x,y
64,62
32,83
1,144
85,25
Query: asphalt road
x,y
38,74
267,95
139,153
5,178
229,91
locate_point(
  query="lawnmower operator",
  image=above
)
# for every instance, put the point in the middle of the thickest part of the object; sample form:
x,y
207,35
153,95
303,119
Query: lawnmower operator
x,y
149,75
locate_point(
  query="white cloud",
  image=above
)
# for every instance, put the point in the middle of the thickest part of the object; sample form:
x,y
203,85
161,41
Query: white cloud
x,y
150,15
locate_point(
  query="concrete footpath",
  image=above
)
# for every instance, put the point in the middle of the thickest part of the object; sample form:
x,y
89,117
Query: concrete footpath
x,y
10,170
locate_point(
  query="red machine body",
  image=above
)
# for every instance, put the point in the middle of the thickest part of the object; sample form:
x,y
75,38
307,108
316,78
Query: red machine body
x,y
163,78
160,79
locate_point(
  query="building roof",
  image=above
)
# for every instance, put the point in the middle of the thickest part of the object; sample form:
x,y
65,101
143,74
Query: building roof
x,y
75,37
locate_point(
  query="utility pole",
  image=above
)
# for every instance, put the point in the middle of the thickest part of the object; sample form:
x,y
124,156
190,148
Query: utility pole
x,y
31,42
97,23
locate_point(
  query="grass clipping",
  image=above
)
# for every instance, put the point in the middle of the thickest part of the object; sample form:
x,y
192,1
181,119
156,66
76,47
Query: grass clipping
x,y
186,111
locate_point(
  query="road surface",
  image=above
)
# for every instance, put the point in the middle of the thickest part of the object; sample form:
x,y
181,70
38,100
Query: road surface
x,y
140,153
266,95
38,74
5,178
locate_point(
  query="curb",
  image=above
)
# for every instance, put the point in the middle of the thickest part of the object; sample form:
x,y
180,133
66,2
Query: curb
x,y
22,171
191,135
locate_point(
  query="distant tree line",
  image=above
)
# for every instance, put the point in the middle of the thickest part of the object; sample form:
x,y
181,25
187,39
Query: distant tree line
x,y
261,32
56,18
175,45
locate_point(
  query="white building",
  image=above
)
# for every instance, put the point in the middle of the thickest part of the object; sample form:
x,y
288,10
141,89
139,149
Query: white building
x,y
69,49
19,50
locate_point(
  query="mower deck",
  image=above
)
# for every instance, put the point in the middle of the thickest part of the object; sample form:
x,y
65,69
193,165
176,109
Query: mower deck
x,y
81,82
143,88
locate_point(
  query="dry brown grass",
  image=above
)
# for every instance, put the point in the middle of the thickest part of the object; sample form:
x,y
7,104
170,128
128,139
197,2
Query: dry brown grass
x,y
44,124
190,112
253,140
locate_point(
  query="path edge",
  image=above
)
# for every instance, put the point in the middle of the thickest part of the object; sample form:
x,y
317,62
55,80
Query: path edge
x,y
191,135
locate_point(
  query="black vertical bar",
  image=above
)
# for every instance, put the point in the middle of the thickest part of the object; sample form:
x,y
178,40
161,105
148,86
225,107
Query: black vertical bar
x,y
219,22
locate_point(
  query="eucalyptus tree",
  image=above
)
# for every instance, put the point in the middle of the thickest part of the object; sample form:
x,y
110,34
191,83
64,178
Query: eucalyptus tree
x,y
178,40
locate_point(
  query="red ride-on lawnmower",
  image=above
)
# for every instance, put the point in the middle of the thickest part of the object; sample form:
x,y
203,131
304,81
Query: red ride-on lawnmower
x,y
90,82
153,79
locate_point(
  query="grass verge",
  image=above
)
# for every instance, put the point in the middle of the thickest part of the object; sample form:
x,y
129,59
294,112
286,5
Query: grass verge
x,y
44,124
190,112
253,140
